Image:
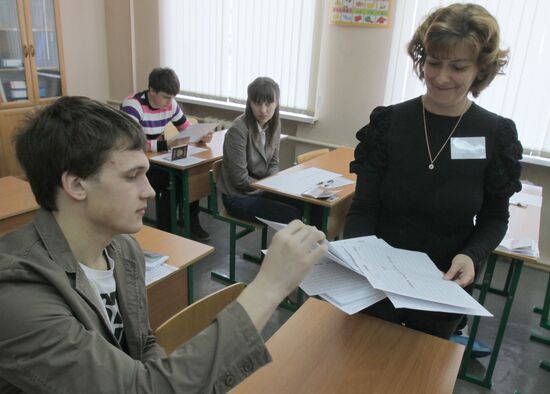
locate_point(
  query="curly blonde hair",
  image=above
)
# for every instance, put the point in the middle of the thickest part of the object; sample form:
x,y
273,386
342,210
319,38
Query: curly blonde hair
x,y
468,24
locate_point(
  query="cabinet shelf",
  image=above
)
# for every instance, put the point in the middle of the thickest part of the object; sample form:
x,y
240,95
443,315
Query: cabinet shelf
x,y
27,82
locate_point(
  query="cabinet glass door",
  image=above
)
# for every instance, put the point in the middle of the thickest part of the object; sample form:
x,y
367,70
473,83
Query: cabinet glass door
x,y
13,81
45,50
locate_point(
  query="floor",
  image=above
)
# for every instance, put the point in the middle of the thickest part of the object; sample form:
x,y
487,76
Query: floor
x,y
517,366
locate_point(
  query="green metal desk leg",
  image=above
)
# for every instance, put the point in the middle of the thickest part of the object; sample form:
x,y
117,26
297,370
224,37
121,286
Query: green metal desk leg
x,y
545,310
190,293
185,204
545,365
324,223
544,318
306,217
173,211
516,265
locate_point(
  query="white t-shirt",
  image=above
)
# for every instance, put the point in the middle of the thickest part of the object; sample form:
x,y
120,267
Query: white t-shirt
x,y
103,282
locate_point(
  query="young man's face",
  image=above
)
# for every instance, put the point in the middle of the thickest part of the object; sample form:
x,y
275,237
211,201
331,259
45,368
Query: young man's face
x,y
159,99
117,196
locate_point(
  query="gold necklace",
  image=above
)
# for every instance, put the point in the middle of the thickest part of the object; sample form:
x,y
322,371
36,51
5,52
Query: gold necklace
x,y
432,160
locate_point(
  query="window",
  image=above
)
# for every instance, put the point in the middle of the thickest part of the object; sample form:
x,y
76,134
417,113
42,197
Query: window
x,y
217,47
522,94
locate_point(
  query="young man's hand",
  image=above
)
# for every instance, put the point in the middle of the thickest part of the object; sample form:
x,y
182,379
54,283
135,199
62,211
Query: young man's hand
x,y
290,257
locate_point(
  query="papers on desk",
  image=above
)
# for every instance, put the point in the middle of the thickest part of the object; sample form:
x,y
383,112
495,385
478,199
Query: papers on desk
x,y
358,272
305,180
167,158
195,132
523,227
155,267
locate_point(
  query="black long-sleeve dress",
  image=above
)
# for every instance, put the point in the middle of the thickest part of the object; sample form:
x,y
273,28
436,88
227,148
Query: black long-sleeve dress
x,y
459,207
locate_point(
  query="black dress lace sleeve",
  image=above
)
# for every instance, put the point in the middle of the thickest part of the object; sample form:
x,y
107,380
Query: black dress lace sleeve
x,y
501,181
371,156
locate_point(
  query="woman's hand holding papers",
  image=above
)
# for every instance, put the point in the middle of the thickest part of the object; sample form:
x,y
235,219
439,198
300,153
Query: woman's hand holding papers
x,y
291,255
462,270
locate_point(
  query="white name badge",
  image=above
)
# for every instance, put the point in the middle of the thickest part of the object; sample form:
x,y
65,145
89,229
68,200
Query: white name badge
x,y
467,148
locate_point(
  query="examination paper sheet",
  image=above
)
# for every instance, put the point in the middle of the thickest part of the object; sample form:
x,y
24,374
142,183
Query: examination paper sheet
x,y
356,273
409,274
195,132
306,179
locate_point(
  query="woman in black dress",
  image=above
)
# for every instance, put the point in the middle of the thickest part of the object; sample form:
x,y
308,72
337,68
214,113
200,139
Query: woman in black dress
x,y
435,173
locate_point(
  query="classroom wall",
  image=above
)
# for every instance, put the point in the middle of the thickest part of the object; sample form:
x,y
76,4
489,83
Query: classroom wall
x,y
352,76
85,46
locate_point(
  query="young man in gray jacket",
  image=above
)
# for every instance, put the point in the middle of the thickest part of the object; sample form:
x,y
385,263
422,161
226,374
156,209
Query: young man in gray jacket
x,y
72,289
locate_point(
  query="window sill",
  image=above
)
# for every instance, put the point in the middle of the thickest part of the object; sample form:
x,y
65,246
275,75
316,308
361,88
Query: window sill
x,y
536,160
240,108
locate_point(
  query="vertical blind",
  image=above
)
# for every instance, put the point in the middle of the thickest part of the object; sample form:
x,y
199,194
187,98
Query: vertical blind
x,y
217,47
522,94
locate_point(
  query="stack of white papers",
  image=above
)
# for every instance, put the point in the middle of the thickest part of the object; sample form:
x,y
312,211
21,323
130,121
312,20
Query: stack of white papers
x,y
155,267
523,227
358,272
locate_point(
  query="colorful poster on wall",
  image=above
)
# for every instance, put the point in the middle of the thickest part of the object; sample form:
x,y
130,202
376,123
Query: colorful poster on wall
x,y
361,12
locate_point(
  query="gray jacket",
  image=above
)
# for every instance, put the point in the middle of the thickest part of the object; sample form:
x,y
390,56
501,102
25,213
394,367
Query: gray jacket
x,y
244,159
54,339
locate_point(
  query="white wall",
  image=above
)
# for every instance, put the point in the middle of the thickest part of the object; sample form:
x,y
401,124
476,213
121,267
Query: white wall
x,y
85,47
352,74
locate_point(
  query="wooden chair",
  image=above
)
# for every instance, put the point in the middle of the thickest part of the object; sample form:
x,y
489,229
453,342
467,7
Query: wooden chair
x,y
310,155
194,318
246,228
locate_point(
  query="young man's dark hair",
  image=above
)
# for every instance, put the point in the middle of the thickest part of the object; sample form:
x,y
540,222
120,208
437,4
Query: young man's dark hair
x,y
80,133
164,80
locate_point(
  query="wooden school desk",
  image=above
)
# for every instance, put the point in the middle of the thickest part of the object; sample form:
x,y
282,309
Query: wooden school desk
x,y
194,183
17,204
334,211
168,295
524,222
322,350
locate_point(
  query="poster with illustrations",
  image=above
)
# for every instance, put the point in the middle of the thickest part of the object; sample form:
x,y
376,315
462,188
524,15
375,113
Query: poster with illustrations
x,y
361,13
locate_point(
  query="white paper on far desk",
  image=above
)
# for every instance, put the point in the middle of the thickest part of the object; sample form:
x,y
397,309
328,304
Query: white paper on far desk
x,y
526,247
165,158
299,181
195,131
158,272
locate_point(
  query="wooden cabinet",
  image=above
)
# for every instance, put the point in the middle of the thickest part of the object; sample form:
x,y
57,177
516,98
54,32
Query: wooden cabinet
x,y
31,66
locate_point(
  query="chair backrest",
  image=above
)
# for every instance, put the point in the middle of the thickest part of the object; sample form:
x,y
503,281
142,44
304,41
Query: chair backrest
x,y
194,318
310,155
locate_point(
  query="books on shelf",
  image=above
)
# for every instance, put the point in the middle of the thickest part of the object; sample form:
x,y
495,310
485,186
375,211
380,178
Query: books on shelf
x,y
17,84
11,62
18,94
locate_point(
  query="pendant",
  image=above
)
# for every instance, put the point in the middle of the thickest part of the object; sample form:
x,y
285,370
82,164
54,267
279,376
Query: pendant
x,y
431,166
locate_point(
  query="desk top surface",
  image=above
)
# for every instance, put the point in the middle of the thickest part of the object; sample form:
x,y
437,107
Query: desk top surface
x,y
182,252
214,151
15,197
336,161
322,350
